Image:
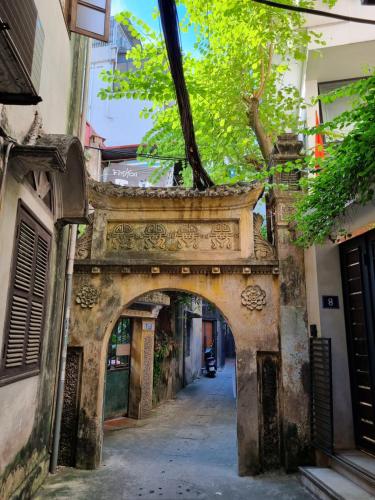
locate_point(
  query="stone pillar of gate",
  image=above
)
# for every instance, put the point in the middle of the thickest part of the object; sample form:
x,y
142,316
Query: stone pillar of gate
x,y
294,342
141,372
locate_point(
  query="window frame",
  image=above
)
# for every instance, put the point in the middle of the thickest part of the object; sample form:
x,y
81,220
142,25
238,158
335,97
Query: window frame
x,y
72,6
10,375
344,81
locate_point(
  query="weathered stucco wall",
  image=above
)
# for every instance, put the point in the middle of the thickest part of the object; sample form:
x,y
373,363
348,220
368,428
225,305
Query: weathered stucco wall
x,y
207,244
253,331
19,400
24,438
193,362
294,336
27,405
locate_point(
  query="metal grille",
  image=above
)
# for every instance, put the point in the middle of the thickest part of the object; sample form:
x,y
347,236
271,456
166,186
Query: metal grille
x,y
321,394
119,345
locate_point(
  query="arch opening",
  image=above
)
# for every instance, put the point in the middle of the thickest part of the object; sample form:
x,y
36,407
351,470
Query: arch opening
x,y
178,347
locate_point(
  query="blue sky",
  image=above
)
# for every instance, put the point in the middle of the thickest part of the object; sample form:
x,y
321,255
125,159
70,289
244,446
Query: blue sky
x,y
141,8
144,9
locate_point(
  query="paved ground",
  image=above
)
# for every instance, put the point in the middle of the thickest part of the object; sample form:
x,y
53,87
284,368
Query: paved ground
x,y
185,450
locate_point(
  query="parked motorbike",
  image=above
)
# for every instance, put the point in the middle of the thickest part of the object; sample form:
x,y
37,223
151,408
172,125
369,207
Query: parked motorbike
x,y
210,362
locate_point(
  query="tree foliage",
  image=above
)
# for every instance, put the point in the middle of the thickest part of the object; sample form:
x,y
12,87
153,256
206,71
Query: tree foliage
x,y
347,172
235,78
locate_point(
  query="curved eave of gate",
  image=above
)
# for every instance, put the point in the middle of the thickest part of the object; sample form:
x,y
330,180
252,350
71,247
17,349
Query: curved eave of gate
x,y
62,156
109,196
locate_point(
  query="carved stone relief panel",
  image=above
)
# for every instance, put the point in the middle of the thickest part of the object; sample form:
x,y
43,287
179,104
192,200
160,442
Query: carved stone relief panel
x,y
147,379
285,212
172,236
262,248
83,245
69,422
158,298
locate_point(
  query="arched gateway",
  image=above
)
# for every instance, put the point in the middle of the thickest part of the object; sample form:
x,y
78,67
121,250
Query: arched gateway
x,y
210,244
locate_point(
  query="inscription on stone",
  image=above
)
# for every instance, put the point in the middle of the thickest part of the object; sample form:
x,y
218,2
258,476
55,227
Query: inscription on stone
x,y
173,237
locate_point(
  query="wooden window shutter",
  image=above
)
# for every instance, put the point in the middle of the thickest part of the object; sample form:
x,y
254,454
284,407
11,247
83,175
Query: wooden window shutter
x,y
91,18
26,302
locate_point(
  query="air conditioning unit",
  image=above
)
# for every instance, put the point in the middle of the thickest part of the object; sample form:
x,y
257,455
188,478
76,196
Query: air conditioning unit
x,y
21,52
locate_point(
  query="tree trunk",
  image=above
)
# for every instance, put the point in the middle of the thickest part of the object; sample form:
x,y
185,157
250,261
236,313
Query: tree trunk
x,y
265,143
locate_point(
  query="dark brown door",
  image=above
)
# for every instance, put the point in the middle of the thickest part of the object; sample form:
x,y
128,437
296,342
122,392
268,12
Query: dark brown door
x,y
208,334
208,339
358,261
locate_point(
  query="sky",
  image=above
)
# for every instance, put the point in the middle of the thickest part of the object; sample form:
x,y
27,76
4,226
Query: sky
x,y
144,9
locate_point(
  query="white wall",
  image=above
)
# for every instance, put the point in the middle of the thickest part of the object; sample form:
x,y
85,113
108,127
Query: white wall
x,y
349,48
118,121
337,32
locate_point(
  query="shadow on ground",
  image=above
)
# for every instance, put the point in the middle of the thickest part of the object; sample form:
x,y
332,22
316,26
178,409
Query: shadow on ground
x,y
185,450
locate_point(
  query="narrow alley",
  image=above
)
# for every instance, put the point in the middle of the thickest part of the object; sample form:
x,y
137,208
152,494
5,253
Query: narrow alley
x,y
186,449
184,183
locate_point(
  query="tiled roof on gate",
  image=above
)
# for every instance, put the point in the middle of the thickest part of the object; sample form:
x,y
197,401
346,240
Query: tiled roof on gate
x,y
113,190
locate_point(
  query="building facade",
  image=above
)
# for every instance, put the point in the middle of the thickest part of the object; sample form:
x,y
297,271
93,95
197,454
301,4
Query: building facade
x,y
118,121
339,276
43,69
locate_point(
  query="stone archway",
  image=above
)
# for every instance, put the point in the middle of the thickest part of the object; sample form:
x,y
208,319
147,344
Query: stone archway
x,y
209,244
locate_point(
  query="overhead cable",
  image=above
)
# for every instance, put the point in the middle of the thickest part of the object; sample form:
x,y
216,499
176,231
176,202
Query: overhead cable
x,y
315,12
169,22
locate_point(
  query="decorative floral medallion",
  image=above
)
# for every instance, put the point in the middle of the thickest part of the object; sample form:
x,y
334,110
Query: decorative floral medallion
x,y
87,296
253,297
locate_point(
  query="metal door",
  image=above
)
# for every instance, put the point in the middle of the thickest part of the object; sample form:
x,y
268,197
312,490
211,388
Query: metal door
x,y
118,370
358,260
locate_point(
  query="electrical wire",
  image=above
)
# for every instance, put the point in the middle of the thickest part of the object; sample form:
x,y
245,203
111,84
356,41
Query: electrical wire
x,y
315,12
130,155
169,22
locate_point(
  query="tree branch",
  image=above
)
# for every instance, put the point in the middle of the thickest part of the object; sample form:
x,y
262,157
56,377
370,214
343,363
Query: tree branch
x,y
264,75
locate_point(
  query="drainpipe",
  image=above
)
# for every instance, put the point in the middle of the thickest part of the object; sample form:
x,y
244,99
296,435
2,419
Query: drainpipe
x,y
5,170
85,93
64,347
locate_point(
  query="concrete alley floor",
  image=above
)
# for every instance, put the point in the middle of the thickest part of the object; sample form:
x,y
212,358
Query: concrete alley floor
x,y
185,450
